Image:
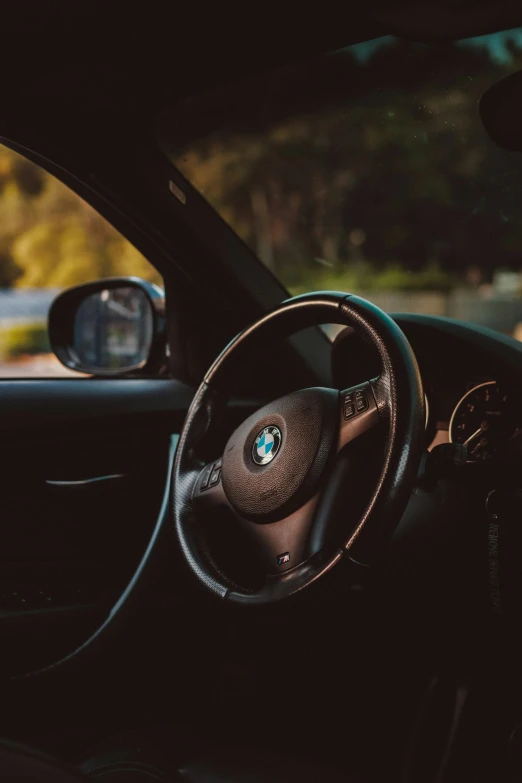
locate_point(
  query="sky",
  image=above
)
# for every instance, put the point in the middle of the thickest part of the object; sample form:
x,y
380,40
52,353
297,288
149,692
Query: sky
x,y
496,44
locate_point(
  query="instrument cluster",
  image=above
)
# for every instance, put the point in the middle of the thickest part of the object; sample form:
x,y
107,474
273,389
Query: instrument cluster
x,y
485,419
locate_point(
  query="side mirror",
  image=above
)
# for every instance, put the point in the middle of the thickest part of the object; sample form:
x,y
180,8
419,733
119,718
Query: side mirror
x,y
110,327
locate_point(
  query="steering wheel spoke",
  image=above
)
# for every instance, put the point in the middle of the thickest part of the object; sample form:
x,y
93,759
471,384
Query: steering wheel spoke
x,y
359,412
208,487
280,544
279,586
283,544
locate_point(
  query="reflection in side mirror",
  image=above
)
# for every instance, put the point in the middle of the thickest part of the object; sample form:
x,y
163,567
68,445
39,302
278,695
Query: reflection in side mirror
x,y
110,327
113,329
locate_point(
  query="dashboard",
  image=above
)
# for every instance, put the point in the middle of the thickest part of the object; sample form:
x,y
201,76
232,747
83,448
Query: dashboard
x,y
472,378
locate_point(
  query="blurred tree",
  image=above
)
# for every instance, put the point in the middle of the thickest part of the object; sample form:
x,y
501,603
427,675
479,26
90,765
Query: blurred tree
x,y
50,237
381,158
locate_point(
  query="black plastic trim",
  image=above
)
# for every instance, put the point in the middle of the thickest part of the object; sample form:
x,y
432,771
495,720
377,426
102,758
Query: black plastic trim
x,y
46,404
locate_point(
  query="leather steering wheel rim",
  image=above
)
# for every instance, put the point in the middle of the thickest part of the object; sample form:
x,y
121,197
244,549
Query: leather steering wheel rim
x,y
395,399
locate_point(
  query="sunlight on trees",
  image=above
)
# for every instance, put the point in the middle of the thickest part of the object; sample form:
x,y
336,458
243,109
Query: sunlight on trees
x,y
51,238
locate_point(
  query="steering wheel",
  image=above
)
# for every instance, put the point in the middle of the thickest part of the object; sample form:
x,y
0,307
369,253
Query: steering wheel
x,y
280,472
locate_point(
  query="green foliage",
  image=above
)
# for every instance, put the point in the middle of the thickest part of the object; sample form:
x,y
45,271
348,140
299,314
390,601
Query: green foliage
x,y
50,238
369,277
23,340
397,278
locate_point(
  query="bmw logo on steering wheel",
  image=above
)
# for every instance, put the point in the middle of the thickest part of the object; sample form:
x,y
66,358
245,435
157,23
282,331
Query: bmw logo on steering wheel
x,y
266,445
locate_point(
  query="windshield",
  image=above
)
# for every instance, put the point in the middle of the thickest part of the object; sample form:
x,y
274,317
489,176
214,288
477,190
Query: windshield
x,y
369,171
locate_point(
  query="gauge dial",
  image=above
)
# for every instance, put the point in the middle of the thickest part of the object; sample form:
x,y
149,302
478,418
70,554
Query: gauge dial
x,y
483,420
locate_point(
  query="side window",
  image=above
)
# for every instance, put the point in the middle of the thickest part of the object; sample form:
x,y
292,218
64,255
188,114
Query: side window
x,y
50,239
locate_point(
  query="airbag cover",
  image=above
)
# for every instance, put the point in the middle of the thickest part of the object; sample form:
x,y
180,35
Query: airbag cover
x,y
308,421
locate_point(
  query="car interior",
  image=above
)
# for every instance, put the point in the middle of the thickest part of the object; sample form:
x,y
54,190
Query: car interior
x,y
262,525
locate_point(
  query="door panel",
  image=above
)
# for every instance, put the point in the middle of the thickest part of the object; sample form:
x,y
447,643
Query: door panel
x,y
83,466
82,475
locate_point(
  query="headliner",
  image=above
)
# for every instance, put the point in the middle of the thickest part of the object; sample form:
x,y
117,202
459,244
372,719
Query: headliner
x,y
84,82
114,60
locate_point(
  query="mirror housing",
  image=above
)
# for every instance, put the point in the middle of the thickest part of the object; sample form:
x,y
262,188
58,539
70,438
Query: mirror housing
x,y
501,112
110,328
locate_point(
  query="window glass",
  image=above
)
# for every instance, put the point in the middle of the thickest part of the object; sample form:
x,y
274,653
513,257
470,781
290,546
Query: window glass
x,y
50,239
369,171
